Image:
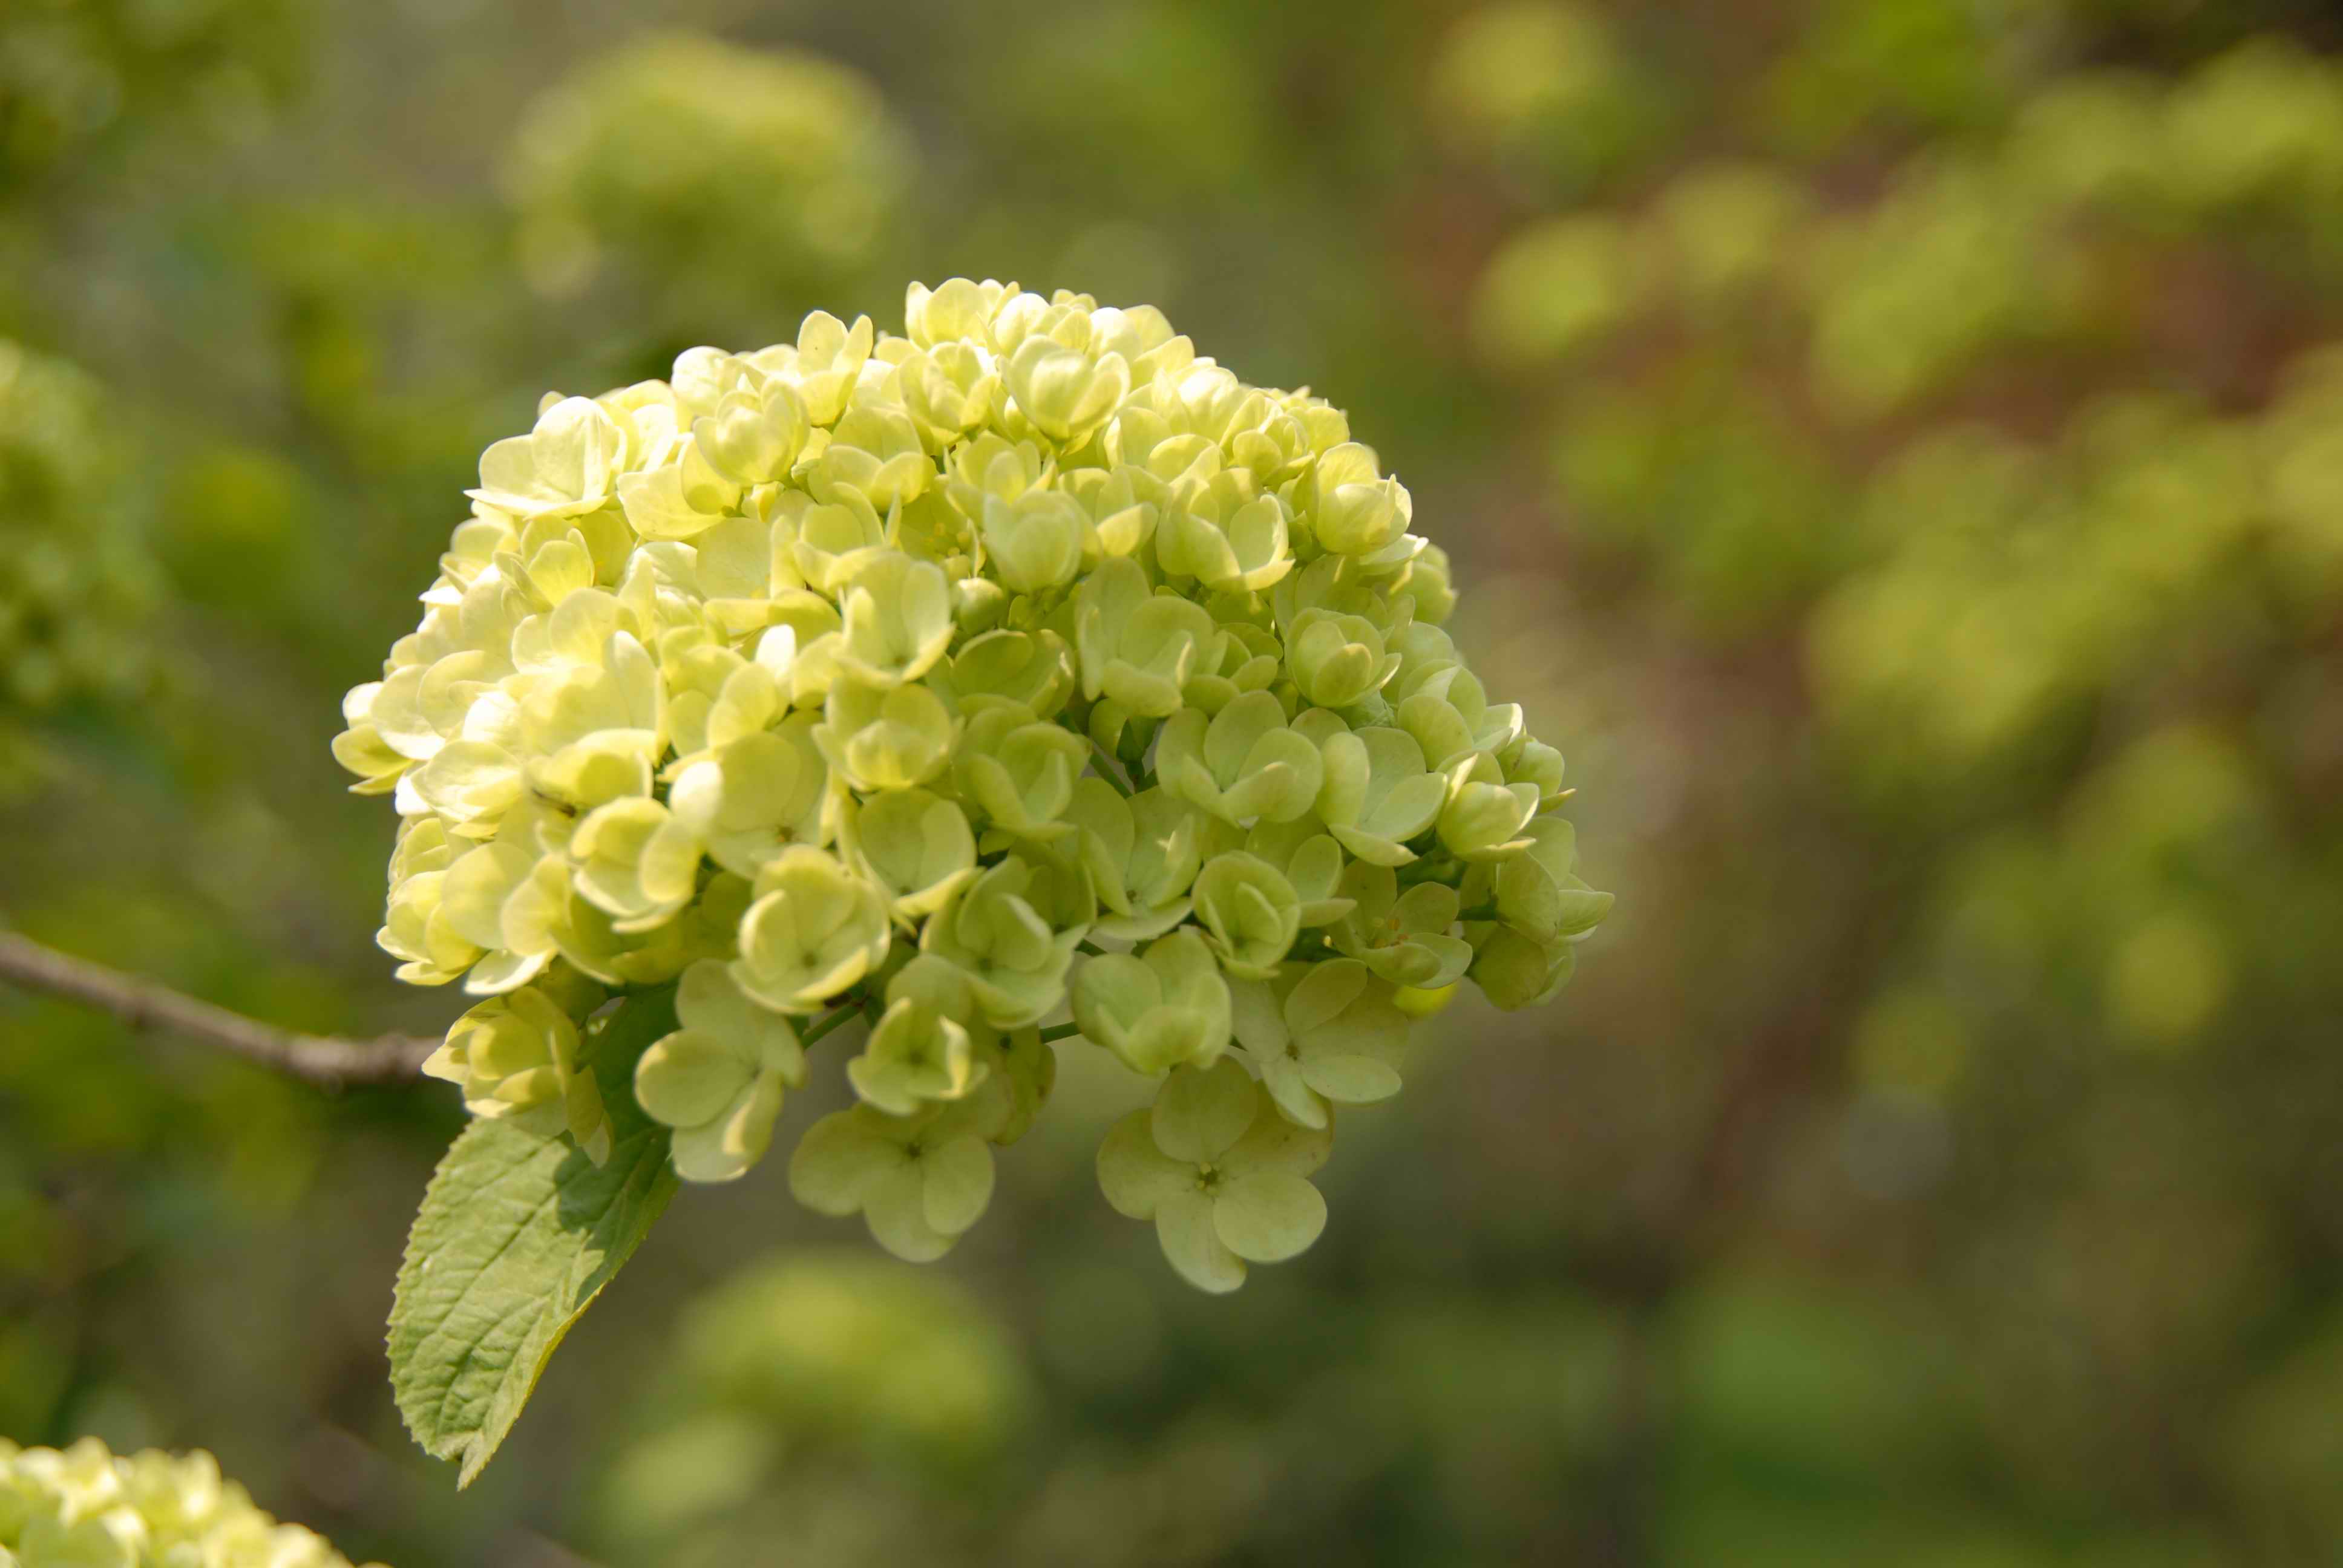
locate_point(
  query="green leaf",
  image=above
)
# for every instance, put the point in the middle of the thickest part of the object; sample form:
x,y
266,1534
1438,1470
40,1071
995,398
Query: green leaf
x,y
520,1232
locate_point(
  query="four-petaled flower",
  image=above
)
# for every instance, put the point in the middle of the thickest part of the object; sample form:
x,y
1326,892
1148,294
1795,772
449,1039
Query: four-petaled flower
x,y
1220,1171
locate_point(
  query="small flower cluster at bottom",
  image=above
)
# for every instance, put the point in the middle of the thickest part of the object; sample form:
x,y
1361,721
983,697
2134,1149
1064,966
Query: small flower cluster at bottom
x,y
83,1507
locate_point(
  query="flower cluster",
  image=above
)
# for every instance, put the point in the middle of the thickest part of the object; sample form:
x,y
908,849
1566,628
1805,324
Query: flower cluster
x,y
1026,665
85,1507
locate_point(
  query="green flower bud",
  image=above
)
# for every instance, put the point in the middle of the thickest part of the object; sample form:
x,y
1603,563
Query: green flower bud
x,y
1243,658
362,751
568,464
682,498
899,619
1065,393
829,540
814,930
618,698
595,771
1034,542
950,390
1241,764
1428,583
469,782
1405,938
1483,817
1536,893
1019,771
977,604
1516,971
992,467
1377,793
589,939
718,1079
1354,510
876,453
1250,910
416,931
634,862
1320,1033
951,311
1033,668
1337,659
1143,336
715,696
915,846
1225,534
755,433
1309,857
826,364
885,736
1060,890
1120,514
1014,958
1142,853
1222,1175
1539,765
1449,716
919,1051
1138,648
1166,1008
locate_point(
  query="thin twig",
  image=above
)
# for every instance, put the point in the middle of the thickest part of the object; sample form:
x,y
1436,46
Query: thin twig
x,y
327,1060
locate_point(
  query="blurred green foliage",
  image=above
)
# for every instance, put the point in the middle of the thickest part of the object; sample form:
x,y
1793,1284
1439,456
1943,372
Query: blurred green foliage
x,y
815,1372
706,172
77,75
74,578
1901,435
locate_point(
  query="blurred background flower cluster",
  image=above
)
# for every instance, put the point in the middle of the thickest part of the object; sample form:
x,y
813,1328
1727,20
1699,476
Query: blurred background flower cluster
x,y
1893,447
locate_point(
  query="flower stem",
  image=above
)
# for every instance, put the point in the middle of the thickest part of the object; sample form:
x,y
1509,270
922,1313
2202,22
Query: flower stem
x,y
1061,1032
830,1021
1109,772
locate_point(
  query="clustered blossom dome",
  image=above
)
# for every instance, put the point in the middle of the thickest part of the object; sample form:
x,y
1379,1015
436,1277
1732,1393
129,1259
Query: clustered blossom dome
x,y
84,1507
1026,664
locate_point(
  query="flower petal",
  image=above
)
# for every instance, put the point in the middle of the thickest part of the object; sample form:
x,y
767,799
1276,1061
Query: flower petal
x,y
839,1161
1200,1113
897,1215
1184,1229
690,1077
1270,1217
1136,1176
